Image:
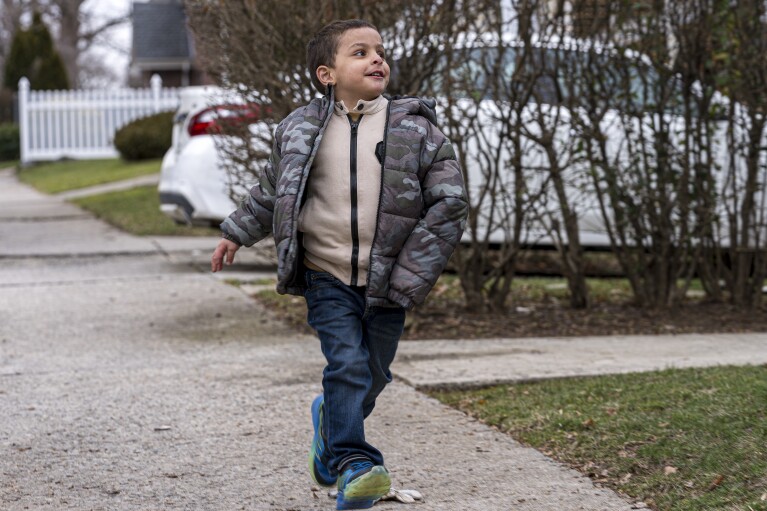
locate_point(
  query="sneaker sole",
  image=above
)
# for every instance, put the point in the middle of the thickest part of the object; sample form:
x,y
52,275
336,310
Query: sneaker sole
x,y
316,476
365,491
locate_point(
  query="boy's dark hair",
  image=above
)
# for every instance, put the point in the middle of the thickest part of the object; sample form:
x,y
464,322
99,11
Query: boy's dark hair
x,y
321,50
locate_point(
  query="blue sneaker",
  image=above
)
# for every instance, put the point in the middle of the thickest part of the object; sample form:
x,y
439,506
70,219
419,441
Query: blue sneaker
x,y
318,456
361,485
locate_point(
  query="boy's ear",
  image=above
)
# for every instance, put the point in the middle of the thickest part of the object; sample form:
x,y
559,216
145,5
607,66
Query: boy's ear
x,y
326,75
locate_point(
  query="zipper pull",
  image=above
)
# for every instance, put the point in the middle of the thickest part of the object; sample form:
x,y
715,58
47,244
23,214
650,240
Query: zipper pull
x,y
354,124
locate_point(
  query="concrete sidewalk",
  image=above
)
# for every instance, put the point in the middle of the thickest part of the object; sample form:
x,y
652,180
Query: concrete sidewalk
x,y
33,224
481,362
130,378
126,184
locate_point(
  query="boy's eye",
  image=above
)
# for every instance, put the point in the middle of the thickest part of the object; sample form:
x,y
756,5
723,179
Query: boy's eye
x,y
362,53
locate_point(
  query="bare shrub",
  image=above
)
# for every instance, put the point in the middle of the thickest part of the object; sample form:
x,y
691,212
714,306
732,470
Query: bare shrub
x,y
673,160
723,51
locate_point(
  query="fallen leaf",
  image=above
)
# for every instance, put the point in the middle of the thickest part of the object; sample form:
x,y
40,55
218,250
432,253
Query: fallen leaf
x,y
625,478
587,423
764,496
668,469
716,482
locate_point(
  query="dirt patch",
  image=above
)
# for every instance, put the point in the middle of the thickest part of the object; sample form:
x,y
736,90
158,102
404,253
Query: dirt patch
x,y
545,320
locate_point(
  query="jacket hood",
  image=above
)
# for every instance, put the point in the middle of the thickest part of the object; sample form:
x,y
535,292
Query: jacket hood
x,y
425,107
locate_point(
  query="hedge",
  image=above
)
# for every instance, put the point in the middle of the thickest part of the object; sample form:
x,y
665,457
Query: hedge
x,y
9,142
145,138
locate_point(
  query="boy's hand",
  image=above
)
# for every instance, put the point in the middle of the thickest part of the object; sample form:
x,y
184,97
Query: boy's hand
x,y
226,249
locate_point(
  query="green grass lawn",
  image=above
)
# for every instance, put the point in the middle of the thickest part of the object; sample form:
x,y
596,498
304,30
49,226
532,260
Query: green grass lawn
x,y
9,164
680,440
138,212
69,175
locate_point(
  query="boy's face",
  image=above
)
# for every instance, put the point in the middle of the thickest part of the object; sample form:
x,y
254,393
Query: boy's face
x,y
360,70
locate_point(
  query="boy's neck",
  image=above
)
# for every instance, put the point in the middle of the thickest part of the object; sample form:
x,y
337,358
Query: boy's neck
x,y
351,102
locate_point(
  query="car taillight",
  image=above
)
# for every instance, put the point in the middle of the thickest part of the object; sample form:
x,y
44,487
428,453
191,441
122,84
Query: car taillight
x,y
211,120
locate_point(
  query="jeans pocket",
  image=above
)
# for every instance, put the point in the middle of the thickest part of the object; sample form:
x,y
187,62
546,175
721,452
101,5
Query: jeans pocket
x,y
319,279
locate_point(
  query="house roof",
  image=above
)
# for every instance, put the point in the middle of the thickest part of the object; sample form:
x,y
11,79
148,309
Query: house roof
x,y
160,32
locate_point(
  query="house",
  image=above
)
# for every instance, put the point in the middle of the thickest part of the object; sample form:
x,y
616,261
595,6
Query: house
x,y
163,44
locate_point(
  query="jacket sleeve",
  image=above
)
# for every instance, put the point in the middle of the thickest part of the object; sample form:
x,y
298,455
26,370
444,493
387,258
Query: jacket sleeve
x,y
435,236
252,220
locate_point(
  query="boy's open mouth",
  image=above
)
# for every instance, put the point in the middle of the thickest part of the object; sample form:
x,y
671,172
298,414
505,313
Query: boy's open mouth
x,y
377,74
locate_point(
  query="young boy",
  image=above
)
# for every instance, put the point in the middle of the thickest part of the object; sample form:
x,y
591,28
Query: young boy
x,y
366,202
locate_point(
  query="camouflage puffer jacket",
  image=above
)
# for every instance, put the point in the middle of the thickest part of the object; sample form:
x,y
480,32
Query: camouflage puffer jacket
x,y
421,213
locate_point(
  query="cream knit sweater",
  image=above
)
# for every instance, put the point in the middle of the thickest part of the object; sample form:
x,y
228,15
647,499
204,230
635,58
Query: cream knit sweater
x,y
337,236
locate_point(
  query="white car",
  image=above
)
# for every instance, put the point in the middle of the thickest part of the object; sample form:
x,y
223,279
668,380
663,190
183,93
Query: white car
x,y
194,186
549,131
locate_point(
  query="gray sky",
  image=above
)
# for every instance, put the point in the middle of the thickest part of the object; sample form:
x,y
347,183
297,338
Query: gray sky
x,y
113,47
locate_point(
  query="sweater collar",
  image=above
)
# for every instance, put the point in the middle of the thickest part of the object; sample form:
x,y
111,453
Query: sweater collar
x,y
362,107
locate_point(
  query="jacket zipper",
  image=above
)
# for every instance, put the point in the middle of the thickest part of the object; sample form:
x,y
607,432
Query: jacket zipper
x,y
353,191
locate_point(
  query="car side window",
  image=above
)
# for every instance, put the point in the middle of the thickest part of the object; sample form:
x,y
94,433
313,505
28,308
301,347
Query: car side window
x,y
555,76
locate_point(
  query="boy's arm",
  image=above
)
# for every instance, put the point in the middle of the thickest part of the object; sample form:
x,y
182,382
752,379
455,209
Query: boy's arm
x,y
252,221
430,245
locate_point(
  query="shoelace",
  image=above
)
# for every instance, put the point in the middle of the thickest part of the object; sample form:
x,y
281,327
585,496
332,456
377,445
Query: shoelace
x,y
360,465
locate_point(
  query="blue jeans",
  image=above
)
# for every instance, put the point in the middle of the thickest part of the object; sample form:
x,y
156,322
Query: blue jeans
x,y
359,345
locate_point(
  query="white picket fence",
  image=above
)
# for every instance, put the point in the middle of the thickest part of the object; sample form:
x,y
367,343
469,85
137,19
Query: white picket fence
x,y
80,124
